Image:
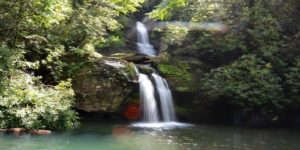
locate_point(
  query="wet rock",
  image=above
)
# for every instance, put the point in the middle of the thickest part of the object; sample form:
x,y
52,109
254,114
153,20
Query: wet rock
x,y
135,58
146,69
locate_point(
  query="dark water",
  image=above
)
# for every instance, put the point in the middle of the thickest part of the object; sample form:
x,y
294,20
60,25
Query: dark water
x,y
111,136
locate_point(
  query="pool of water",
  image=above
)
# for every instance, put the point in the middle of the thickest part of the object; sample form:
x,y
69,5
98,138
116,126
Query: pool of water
x,y
113,136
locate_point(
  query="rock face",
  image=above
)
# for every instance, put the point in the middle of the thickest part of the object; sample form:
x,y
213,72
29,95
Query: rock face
x,y
102,85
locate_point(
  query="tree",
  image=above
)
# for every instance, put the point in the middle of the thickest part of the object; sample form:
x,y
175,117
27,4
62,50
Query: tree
x,y
248,83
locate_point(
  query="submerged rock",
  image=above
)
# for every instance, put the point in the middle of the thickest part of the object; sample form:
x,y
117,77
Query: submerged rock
x,y
102,85
4,130
17,130
23,130
40,132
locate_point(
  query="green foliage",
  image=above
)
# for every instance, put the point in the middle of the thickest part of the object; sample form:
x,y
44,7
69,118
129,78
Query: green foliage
x,y
126,6
218,45
111,42
88,23
26,103
50,30
292,82
174,35
247,29
64,64
22,17
248,82
255,51
9,60
266,31
56,36
131,71
162,12
255,54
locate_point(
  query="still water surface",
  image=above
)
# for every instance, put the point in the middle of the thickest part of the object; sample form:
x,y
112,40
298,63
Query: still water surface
x,y
112,136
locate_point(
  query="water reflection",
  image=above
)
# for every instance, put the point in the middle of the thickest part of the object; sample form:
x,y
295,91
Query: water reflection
x,y
123,137
121,132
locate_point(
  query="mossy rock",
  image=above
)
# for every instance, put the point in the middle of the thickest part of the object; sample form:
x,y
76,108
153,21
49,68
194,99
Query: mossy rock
x,y
132,57
183,74
146,69
101,86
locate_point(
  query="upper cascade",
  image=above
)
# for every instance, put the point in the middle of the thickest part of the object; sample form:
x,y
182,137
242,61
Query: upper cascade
x,y
143,44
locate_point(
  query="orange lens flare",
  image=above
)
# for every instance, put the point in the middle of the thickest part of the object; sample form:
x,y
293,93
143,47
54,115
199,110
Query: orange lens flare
x,y
132,112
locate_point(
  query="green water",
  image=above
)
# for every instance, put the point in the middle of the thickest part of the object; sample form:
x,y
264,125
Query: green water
x,y
112,136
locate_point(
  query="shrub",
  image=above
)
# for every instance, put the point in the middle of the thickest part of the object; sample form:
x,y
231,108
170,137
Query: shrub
x,y
292,82
26,103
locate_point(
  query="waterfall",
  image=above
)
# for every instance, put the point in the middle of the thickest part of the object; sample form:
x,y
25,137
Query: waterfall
x,y
148,90
165,97
149,107
148,101
143,44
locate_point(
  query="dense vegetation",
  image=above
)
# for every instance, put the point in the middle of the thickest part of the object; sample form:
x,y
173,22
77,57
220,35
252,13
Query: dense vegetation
x,y
42,44
254,59
251,48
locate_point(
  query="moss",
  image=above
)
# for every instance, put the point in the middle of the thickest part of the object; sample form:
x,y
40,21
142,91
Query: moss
x,y
134,98
146,69
183,111
130,70
120,55
179,71
182,89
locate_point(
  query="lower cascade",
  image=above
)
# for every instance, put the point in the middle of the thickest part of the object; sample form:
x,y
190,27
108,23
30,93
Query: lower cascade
x,y
165,97
149,102
149,107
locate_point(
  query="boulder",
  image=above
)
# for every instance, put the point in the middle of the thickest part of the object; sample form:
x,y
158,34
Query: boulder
x,y
102,85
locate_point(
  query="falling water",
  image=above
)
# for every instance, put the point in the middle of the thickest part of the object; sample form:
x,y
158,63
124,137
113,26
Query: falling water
x,y
165,97
143,44
149,107
147,89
